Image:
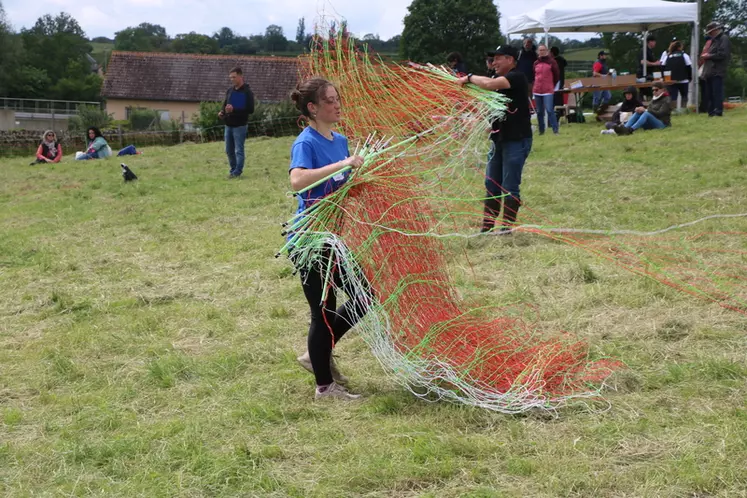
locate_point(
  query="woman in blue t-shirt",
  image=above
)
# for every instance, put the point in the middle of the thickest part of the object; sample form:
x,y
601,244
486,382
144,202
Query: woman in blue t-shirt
x,y
318,153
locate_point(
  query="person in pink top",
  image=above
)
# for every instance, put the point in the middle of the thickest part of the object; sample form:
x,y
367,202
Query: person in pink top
x,y
546,77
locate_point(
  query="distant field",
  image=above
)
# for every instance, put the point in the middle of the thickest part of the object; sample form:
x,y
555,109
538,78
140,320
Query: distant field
x,y
583,54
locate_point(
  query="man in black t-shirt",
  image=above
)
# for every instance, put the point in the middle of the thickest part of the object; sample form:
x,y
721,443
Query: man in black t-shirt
x,y
652,63
511,138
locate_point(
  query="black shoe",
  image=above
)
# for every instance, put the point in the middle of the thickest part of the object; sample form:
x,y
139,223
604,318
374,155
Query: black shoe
x,y
622,130
511,207
491,211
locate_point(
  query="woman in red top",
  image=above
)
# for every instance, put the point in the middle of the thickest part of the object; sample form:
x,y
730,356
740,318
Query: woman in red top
x,y
546,76
50,150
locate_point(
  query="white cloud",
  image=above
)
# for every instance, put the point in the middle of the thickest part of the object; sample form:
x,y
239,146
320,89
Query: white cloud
x,y
97,18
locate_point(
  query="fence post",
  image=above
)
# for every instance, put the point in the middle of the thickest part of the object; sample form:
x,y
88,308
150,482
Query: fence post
x,y
119,135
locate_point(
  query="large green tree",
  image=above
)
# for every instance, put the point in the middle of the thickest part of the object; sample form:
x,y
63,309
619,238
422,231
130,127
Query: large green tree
x,y
301,31
10,54
145,37
194,43
433,28
275,40
58,45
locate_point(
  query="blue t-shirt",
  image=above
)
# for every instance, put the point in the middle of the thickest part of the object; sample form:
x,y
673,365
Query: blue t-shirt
x,y
311,150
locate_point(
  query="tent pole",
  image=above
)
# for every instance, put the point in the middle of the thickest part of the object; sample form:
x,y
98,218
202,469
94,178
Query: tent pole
x,y
645,53
547,38
695,49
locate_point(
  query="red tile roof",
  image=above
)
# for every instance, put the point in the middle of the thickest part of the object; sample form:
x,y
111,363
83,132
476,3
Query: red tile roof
x,y
196,78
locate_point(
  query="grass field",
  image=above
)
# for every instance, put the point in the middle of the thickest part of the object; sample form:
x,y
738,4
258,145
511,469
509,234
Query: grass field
x,y
582,54
148,336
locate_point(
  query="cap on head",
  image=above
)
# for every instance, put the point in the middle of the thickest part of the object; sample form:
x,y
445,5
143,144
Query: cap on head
x,y
505,50
601,53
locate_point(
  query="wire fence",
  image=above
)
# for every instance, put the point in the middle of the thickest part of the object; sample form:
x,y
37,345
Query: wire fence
x,y
25,142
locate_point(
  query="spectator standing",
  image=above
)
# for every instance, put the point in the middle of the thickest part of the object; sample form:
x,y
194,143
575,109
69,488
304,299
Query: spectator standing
x,y
679,64
562,64
237,106
650,61
525,63
600,69
546,78
457,64
715,67
705,105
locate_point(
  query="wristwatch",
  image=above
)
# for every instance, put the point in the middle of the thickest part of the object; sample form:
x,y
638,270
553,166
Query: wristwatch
x,y
469,78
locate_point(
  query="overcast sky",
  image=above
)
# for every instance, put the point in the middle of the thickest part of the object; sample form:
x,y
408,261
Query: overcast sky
x,y
102,18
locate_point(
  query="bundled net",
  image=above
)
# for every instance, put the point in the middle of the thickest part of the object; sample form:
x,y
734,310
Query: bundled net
x,y
389,230
386,231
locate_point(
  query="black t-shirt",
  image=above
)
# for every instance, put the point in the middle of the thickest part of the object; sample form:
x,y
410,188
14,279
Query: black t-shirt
x,y
516,124
650,57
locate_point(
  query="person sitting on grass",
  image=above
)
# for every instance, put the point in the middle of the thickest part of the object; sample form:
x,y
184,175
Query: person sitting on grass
x,y
629,104
50,150
97,146
657,116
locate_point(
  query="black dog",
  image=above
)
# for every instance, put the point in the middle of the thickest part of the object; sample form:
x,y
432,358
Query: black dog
x,y
127,173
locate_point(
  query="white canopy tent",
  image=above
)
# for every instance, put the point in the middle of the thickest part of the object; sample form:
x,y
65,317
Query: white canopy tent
x,y
611,15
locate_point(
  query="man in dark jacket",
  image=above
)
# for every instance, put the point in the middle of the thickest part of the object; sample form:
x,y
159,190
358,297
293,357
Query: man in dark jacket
x,y
237,106
715,66
657,116
525,63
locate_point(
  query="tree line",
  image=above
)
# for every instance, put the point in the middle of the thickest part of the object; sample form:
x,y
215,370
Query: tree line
x,y
47,61
147,37
52,59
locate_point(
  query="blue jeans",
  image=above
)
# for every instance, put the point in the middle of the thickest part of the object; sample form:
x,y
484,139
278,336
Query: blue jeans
x,y
645,120
715,85
235,137
545,104
600,97
130,150
505,165
85,157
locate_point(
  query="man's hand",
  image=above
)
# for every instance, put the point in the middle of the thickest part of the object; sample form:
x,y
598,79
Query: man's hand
x,y
229,108
463,80
640,110
221,115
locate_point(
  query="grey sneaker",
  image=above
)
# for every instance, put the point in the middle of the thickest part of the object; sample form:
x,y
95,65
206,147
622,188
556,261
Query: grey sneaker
x,y
305,361
335,390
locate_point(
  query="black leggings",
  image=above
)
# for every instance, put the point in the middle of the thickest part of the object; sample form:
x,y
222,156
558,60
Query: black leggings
x,y
328,324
